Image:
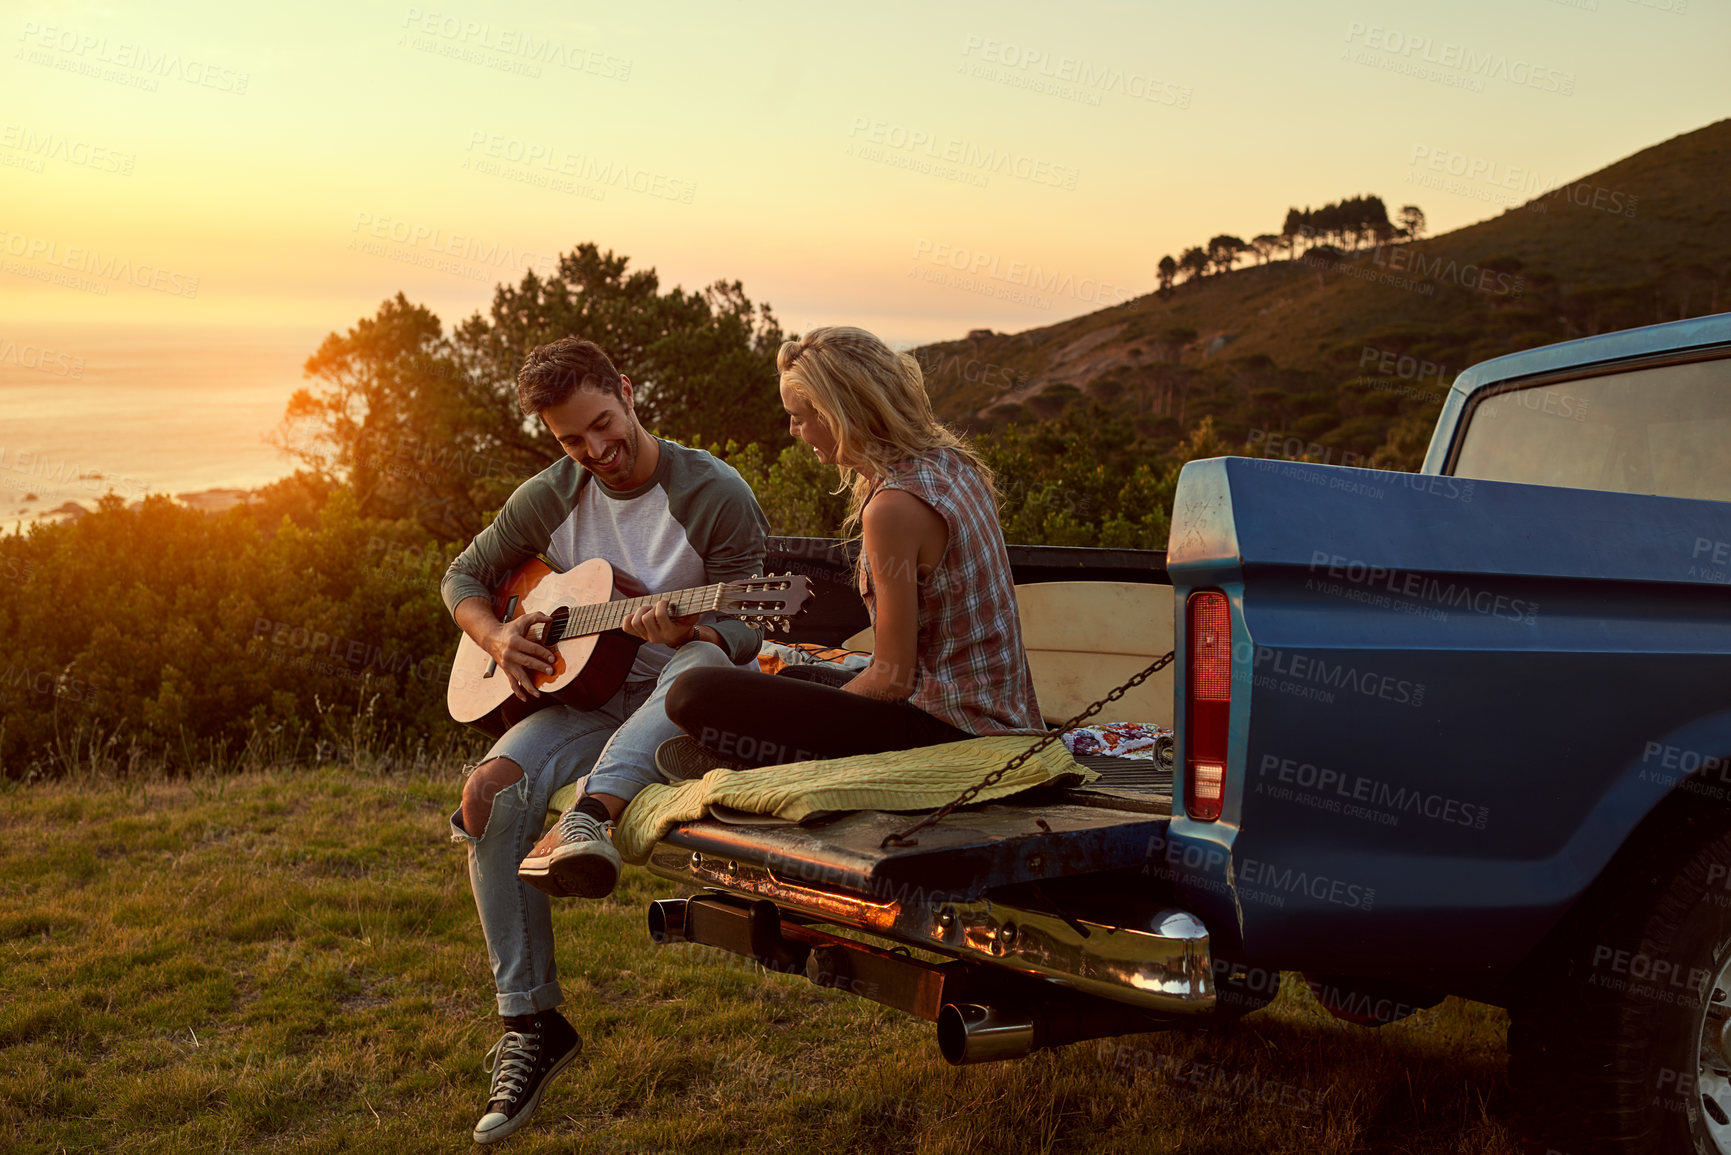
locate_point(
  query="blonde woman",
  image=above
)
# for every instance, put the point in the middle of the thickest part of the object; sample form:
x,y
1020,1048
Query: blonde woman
x,y
947,661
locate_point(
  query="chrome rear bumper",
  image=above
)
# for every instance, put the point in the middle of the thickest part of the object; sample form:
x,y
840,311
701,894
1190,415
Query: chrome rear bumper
x,y
1161,964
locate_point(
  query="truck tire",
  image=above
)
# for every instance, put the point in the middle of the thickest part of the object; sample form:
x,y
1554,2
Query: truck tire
x,y
1620,1034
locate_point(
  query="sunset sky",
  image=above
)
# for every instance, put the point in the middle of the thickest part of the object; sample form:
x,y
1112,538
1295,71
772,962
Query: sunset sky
x,y
197,164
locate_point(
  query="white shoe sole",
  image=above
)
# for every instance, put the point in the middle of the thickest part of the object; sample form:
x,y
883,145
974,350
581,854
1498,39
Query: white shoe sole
x,y
580,871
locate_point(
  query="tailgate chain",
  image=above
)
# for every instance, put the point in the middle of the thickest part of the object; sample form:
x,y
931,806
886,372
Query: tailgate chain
x,y
903,838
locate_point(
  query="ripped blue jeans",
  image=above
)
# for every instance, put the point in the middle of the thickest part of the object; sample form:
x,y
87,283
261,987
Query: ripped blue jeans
x,y
613,746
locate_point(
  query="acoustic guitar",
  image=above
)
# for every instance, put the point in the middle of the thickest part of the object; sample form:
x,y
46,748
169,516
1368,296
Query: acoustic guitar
x,y
592,655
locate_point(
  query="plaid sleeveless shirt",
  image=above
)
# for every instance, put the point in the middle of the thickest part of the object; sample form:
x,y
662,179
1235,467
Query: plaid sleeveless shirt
x,y
971,670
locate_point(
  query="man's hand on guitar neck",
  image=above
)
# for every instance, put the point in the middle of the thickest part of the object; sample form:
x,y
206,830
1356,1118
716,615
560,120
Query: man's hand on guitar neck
x,y
520,656
657,624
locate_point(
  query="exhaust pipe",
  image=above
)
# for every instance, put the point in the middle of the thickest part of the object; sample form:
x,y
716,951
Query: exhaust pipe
x,y
974,1033
989,1032
667,920
752,930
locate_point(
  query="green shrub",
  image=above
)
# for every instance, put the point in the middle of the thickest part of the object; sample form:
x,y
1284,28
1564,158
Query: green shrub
x,y
285,628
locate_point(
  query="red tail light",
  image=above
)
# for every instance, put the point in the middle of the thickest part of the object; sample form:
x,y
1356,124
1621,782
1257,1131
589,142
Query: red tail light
x,y
1208,675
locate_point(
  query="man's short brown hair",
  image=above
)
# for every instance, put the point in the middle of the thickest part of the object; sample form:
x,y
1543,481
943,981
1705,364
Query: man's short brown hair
x,y
552,372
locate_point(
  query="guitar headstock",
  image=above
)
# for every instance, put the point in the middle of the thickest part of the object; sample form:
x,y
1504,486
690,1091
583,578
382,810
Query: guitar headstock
x,y
765,602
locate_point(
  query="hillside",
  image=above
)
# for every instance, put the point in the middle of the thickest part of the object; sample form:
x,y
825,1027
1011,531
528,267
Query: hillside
x,y
1281,348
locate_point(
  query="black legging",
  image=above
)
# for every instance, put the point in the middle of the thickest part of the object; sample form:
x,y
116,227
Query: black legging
x,y
763,721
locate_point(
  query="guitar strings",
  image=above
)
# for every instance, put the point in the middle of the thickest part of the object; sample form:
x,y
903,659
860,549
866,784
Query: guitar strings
x,y
597,617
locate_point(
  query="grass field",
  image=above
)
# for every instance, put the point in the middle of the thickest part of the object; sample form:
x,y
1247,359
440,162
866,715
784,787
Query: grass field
x,y
292,962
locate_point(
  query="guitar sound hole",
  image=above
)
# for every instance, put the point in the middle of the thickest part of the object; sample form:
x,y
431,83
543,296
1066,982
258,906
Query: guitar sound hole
x,y
554,631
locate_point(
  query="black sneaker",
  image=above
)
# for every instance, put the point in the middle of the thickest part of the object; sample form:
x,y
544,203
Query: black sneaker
x,y
684,758
521,1062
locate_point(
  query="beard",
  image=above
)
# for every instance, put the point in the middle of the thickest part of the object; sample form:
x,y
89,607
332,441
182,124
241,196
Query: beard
x,y
624,462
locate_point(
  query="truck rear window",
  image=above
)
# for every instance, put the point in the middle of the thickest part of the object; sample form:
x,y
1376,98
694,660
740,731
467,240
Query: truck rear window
x,y
1663,430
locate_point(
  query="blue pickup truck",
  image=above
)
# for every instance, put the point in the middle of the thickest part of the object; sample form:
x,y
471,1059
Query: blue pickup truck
x,y
1463,731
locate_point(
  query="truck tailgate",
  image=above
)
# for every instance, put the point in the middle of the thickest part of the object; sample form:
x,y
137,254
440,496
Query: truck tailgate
x,y
1045,835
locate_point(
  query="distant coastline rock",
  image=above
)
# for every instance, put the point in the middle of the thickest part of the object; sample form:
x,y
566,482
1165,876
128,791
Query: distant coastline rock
x,y
71,509
213,500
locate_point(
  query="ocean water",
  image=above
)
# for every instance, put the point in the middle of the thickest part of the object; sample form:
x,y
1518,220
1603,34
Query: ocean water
x,y
88,409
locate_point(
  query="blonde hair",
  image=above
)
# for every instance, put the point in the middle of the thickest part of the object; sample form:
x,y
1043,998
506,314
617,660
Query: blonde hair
x,y
873,401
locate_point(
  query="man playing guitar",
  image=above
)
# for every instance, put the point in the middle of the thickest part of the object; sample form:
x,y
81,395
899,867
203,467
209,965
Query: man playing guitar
x,y
666,517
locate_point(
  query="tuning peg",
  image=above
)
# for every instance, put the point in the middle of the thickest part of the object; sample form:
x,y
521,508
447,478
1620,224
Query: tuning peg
x,y
786,628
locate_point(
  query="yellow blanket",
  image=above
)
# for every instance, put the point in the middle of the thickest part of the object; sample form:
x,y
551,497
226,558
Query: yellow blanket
x,y
921,779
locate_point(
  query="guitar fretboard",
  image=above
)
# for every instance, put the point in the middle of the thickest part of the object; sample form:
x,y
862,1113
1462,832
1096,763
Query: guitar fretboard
x,y
598,617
